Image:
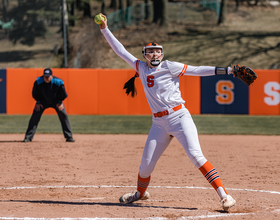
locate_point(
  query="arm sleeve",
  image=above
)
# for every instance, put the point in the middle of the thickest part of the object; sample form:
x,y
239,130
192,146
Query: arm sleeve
x,y
200,70
119,48
180,69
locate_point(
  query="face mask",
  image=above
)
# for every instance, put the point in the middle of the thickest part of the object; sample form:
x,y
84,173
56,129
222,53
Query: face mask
x,y
154,62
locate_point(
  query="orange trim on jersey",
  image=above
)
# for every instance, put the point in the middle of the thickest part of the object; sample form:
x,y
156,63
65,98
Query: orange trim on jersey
x,y
137,68
183,70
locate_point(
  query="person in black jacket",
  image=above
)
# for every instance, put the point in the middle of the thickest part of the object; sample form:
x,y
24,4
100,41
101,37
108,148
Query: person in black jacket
x,y
49,92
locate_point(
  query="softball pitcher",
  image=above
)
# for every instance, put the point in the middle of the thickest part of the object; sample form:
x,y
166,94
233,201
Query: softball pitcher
x,y
160,80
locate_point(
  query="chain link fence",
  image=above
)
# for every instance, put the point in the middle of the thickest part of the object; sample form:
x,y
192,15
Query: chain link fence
x,y
183,12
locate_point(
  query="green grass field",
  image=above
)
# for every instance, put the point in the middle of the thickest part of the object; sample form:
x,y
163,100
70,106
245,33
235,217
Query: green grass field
x,y
121,124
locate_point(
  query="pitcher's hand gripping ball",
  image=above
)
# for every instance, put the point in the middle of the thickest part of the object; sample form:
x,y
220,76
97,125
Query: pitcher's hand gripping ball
x,y
98,19
245,74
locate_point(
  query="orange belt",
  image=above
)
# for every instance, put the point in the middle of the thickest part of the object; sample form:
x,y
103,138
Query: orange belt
x,y
166,112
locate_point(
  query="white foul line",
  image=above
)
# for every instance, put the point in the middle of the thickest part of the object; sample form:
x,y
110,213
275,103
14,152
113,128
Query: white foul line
x,y
112,186
149,218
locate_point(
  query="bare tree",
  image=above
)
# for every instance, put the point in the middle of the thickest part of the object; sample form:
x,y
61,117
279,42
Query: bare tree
x,y
237,4
79,4
120,4
5,4
72,13
222,17
103,7
129,3
87,11
160,12
147,10
113,4
122,13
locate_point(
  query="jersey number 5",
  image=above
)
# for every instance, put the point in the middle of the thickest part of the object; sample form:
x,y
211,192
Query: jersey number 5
x,y
150,80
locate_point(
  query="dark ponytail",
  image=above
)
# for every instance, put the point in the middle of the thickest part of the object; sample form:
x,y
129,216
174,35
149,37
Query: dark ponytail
x,y
130,87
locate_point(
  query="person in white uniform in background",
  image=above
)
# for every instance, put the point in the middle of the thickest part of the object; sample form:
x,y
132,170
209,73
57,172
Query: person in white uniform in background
x,y
160,80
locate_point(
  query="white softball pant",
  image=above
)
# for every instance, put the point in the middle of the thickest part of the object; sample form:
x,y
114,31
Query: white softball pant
x,y
178,124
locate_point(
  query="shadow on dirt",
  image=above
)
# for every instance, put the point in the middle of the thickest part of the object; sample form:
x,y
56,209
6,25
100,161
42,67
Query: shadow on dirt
x,y
9,141
98,203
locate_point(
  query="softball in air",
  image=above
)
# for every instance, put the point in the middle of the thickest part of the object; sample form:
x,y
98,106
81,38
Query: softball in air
x,y
98,19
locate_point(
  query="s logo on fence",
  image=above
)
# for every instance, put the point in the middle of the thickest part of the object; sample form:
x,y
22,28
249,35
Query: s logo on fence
x,y
224,90
272,89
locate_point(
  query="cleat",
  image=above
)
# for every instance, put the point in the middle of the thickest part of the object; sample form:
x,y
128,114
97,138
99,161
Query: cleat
x,y
132,197
228,202
27,140
70,140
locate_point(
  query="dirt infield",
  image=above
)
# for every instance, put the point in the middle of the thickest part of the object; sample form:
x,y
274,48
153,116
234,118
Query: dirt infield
x,y
49,178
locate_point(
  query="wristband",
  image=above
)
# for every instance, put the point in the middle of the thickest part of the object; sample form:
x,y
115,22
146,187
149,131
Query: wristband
x,y
221,71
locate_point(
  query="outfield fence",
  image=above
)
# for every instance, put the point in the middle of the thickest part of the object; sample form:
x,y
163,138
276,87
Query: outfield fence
x,y
102,92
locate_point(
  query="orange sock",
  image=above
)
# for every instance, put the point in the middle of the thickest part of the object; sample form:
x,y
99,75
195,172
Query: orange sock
x,y
142,184
211,175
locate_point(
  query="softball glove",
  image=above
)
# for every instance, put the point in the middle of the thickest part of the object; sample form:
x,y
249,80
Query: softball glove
x,y
245,74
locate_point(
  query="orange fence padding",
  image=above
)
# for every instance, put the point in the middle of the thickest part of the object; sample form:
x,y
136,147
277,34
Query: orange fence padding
x,y
92,92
